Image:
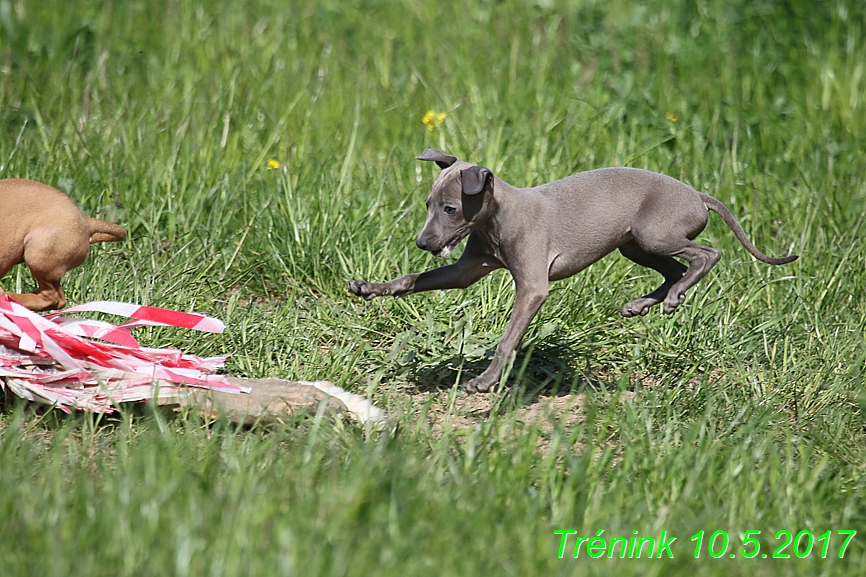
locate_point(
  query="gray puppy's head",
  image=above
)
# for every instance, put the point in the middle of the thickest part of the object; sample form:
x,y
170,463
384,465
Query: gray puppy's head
x,y
458,202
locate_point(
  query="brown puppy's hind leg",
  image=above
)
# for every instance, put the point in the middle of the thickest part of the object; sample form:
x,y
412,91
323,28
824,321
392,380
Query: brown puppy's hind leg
x,y
48,259
48,296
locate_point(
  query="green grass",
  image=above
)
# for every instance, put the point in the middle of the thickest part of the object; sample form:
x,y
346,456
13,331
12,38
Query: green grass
x,y
743,411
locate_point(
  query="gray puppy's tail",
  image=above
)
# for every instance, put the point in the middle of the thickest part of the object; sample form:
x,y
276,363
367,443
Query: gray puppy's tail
x,y
716,206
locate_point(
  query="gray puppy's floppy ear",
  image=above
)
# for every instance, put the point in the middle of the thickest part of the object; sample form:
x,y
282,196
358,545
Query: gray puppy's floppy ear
x,y
476,179
440,158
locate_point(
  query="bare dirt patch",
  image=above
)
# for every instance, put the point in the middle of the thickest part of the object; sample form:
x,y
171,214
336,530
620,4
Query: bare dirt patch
x,y
452,410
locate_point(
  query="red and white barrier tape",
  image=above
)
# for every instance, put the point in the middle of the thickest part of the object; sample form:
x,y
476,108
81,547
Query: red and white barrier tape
x,y
53,359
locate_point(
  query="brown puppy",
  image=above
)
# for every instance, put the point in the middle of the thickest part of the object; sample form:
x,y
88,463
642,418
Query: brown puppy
x,y
44,228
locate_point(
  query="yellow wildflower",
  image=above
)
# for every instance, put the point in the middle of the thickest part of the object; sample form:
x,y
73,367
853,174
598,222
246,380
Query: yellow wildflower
x,y
432,119
273,164
672,117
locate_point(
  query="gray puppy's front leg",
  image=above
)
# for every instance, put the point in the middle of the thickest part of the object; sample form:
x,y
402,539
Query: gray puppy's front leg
x,y
473,264
527,303
457,275
398,287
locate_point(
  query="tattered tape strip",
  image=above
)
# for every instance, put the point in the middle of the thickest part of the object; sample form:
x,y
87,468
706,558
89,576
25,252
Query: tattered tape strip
x,y
52,360
98,330
149,316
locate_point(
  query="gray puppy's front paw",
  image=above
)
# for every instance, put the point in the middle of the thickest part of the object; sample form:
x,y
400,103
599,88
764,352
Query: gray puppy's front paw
x,y
480,384
364,289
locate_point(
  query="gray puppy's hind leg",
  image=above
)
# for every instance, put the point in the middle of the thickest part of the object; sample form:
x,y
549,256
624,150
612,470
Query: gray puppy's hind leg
x,y
671,269
664,232
701,260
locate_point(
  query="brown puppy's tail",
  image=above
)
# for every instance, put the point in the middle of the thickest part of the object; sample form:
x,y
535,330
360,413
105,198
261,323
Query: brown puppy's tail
x,y
102,231
716,206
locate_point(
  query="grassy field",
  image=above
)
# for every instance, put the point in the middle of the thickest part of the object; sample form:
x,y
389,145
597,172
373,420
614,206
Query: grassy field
x,y
744,411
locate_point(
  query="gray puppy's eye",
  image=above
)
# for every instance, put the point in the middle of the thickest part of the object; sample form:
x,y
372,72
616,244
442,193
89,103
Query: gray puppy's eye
x,y
450,210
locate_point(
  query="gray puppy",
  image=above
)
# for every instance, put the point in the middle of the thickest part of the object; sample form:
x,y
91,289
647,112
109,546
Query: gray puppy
x,y
554,231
